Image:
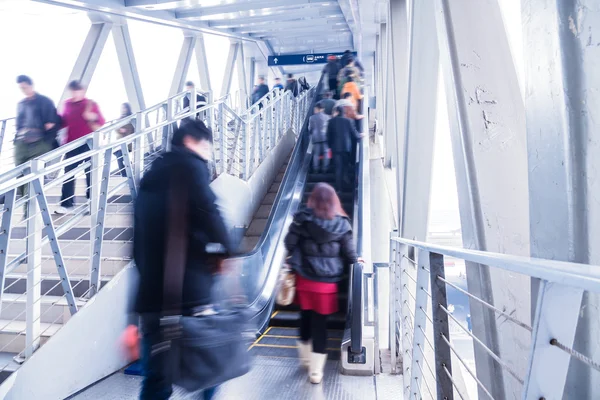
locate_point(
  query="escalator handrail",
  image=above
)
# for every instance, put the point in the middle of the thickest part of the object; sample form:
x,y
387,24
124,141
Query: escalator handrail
x,y
355,299
287,186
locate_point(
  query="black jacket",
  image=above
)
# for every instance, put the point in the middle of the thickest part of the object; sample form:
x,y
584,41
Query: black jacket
x,y
320,249
339,134
332,68
44,112
259,92
292,86
199,99
205,225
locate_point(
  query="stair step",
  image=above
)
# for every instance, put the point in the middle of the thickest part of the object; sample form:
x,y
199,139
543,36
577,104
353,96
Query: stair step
x,y
108,267
12,334
264,211
122,234
50,284
249,243
291,319
54,309
69,248
269,199
257,227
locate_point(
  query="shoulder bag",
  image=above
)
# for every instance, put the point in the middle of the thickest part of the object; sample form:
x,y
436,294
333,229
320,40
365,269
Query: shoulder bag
x,y
210,347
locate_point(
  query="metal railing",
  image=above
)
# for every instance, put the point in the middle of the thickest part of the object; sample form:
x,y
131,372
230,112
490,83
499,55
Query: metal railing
x,y
425,333
50,265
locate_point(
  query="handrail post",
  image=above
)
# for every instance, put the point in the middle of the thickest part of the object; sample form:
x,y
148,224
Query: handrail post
x,y
247,151
170,128
2,131
443,361
94,191
222,139
137,149
34,268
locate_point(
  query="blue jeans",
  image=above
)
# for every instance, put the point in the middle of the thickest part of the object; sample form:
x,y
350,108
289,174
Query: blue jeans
x,y
157,384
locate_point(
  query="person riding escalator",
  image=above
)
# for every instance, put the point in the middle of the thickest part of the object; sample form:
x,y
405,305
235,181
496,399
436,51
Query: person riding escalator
x,y
321,246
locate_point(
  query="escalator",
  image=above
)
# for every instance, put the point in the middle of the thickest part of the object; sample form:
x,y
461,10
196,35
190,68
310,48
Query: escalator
x,y
278,326
279,339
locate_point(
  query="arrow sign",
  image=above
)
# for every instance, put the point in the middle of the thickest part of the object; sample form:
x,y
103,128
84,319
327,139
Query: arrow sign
x,y
302,59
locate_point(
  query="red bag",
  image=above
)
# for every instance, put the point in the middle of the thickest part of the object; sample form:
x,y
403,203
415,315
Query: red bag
x,y
329,154
130,340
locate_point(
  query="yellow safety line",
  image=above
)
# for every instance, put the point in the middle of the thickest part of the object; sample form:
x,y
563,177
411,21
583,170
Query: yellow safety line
x,y
279,346
274,314
291,337
260,337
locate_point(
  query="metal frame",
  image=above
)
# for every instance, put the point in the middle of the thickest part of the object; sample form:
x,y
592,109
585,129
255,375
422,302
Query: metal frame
x,y
202,61
229,66
89,56
552,333
131,77
183,64
484,94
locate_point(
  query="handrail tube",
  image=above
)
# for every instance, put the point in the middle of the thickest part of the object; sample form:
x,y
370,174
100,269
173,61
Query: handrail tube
x,y
583,276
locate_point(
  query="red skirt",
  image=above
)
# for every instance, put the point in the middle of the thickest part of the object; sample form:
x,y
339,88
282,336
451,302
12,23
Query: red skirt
x,y
319,297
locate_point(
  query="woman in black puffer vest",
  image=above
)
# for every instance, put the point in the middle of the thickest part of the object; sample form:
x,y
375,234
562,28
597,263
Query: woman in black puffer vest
x,y
321,248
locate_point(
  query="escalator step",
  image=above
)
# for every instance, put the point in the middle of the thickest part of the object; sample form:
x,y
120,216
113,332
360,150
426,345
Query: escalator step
x,y
291,319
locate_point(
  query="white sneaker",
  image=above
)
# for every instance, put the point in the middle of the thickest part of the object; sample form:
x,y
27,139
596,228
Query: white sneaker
x,y
63,210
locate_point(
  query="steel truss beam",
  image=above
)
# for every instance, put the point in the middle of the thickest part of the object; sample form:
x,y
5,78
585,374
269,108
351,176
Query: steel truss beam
x,y
561,80
302,24
229,66
254,5
419,129
90,53
183,64
202,61
332,12
131,77
241,71
324,30
487,126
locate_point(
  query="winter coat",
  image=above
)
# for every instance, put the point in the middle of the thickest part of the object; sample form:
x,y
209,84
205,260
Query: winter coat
x,y
320,249
292,86
332,69
340,131
317,126
205,226
200,101
74,121
259,92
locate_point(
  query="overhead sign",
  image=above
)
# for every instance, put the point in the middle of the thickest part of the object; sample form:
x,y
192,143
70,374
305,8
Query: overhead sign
x,y
302,59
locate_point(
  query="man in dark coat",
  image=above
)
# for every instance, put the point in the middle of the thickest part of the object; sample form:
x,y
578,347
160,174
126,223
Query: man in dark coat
x,y
182,174
260,91
292,85
200,99
332,69
340,131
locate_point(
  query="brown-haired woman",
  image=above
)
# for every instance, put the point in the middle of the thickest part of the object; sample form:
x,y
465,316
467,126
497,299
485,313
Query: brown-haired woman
x,y
320,245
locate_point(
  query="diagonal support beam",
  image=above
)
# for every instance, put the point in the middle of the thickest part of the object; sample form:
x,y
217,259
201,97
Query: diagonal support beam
x,y
228,74
90,53
241,70
131,77
183,64
202,61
